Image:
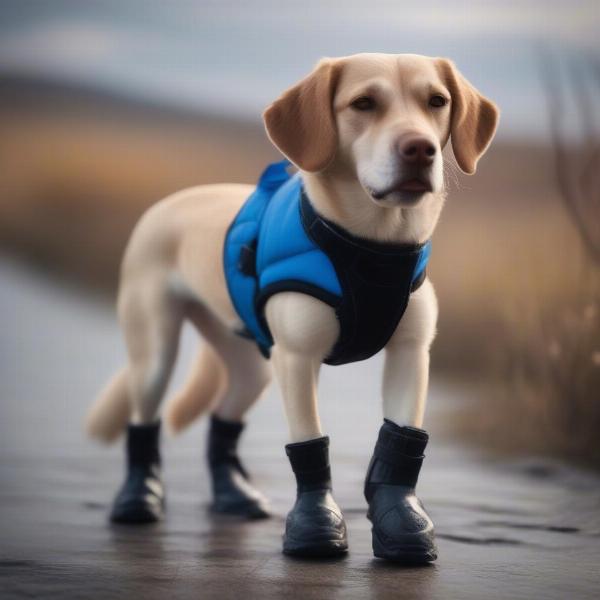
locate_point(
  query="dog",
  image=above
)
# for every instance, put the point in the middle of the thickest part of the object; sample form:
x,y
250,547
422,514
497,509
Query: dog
x,y
366,133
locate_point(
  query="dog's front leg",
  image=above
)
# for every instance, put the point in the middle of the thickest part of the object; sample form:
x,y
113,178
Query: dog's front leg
x,y
406,370
402,530
304,331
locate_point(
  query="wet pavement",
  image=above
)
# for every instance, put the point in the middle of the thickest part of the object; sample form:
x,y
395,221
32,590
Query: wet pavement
x,y
506,529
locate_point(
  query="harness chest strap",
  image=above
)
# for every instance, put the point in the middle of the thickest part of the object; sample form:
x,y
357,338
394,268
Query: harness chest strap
x,y
376,279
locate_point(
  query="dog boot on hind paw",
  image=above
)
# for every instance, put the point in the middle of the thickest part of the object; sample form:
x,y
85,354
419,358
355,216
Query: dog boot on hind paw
x,y
315,526
402,530
232,492
141,497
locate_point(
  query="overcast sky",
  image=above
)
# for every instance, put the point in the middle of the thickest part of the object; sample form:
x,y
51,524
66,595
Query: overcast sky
x,y
234,56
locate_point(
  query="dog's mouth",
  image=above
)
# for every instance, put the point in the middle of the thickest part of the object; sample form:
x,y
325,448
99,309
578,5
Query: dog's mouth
x,y
408,187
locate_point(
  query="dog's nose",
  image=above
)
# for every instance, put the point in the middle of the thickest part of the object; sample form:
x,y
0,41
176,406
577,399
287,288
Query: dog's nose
x,y
417,151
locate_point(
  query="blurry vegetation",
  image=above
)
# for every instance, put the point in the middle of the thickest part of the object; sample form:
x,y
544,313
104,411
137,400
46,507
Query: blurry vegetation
x,y
78,167
548,359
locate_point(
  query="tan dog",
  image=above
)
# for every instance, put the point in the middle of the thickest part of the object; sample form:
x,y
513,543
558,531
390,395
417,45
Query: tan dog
x,y
367,133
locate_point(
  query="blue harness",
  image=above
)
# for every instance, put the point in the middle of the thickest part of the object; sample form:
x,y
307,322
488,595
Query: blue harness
x,y
277,242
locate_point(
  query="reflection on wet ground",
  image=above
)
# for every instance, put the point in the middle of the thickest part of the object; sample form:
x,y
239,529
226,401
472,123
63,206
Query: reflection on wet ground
x,y
504,530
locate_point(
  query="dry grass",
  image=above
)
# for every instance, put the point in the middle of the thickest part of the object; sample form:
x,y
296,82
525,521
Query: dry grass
x,y
537,362
553,370
77,171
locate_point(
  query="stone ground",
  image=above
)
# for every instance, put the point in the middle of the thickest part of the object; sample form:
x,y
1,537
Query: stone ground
x,y
506,529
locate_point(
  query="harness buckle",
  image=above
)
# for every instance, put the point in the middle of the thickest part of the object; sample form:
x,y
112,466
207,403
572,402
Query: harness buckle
x,y
247,260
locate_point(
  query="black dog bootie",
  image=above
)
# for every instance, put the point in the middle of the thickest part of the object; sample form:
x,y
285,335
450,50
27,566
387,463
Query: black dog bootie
x,y
402,530
141,497
232,492
315,526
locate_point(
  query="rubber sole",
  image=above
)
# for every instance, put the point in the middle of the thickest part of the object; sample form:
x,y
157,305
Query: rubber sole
x,y
135,514
320,549
248,511
410,554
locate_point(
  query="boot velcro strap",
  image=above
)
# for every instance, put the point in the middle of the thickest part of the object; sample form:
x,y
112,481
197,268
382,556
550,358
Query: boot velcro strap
x,y
399,474
225,430
143,444
309,456
393,467
222,444
408,440
310,463
314,480
395,456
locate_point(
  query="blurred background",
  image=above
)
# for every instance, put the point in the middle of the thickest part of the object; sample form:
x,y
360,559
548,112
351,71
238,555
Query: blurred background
x,y
109,105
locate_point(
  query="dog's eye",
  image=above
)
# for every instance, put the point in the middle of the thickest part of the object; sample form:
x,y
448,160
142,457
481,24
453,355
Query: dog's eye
x,y
437,101
364,103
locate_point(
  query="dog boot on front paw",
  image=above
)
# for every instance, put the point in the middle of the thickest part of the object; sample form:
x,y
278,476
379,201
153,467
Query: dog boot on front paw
x,y
141,498
315,526
232,492
402,530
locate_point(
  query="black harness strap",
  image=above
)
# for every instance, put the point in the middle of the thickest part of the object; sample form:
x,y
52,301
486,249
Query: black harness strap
x,y
376,281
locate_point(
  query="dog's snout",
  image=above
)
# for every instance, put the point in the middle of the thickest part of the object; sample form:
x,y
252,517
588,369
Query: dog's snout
x,y
418,151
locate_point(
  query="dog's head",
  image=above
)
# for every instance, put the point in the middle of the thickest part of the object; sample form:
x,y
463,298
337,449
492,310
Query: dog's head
x,y
384,120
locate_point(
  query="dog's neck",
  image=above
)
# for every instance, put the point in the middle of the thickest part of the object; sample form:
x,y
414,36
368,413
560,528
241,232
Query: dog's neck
x,y
346,203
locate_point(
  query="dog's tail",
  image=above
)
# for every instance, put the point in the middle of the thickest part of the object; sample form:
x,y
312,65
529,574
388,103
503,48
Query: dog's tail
x,y
206,384
110,413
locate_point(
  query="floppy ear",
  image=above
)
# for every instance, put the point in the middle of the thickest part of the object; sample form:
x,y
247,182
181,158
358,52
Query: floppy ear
x,y
473,121
301,122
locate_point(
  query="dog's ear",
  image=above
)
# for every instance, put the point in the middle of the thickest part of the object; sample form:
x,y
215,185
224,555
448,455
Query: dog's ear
x,y
473,119
301,121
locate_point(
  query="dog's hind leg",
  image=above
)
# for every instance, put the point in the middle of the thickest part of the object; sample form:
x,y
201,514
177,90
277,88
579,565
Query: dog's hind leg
x,y
236,376
228,377
205,386
248,375
151,319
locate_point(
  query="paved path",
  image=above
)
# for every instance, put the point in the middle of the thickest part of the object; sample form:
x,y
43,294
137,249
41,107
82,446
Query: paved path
x,y
506,530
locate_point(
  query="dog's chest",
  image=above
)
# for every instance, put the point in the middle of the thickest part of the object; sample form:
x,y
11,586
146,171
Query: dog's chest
x,y
279,243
